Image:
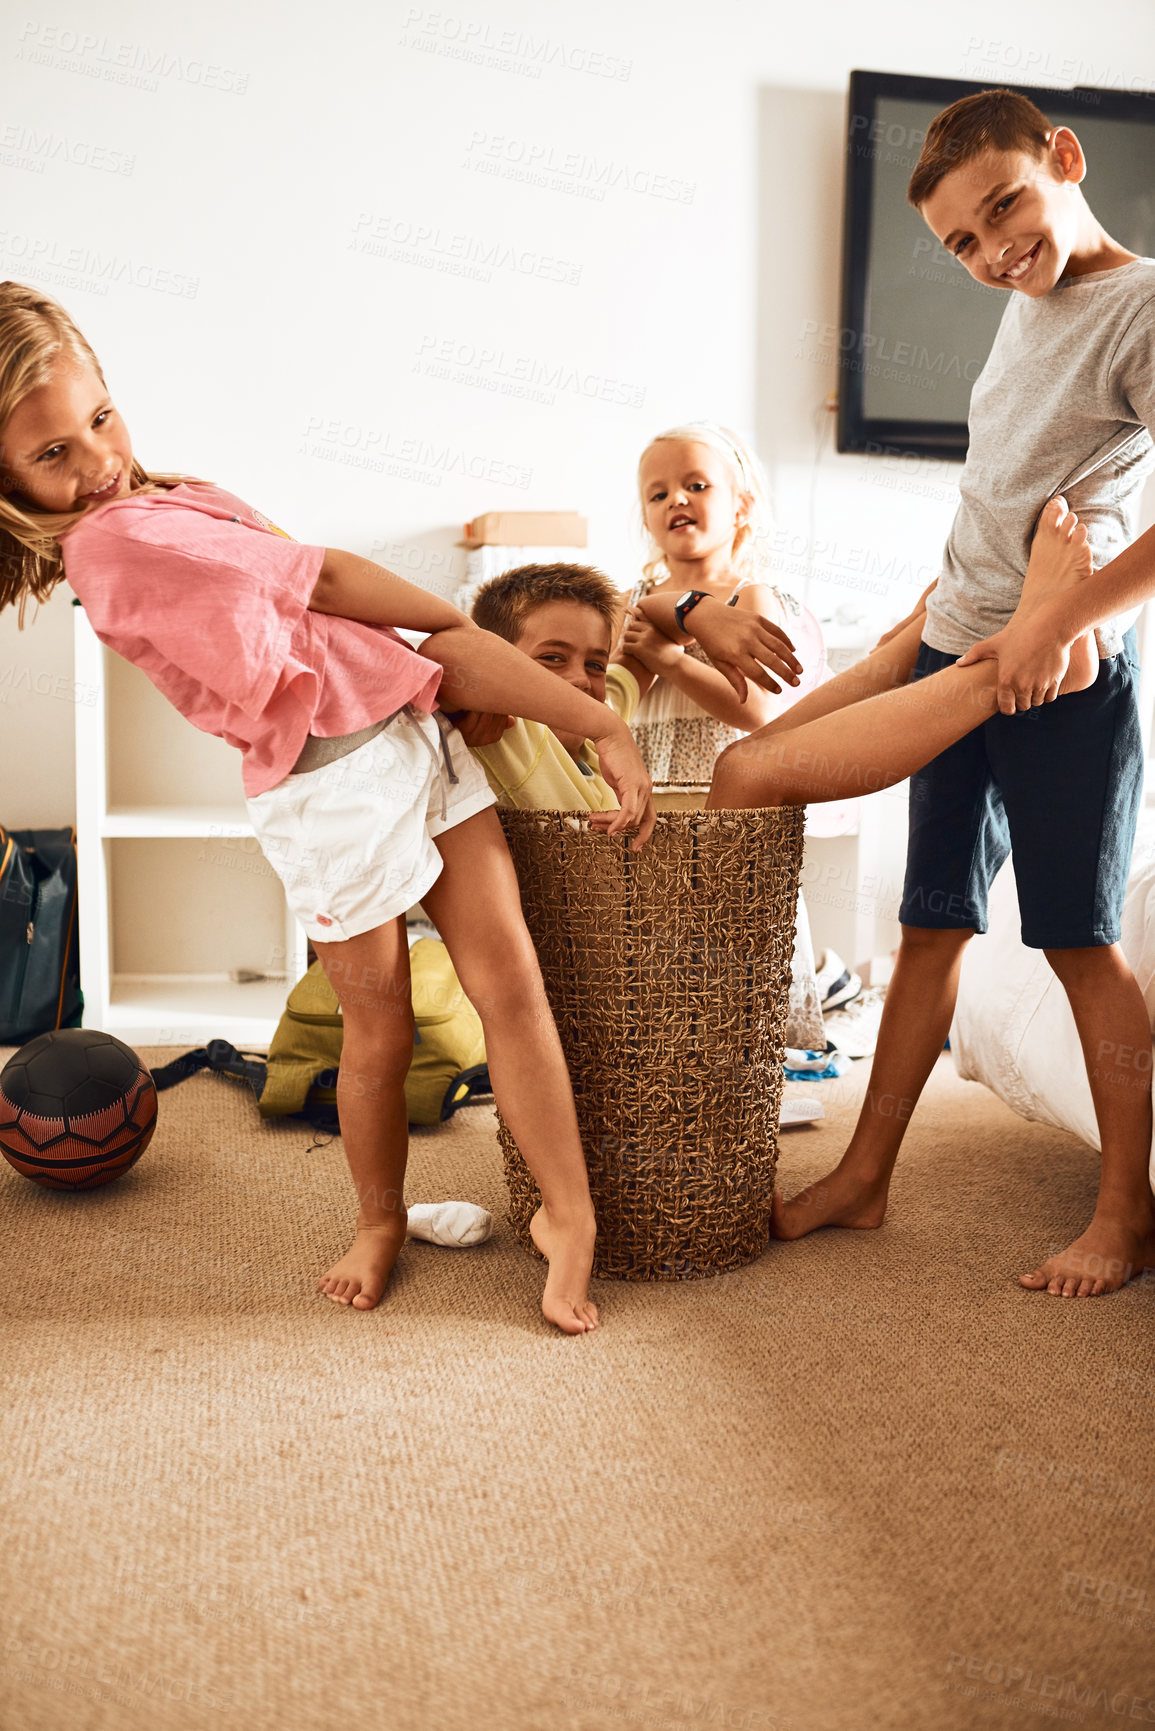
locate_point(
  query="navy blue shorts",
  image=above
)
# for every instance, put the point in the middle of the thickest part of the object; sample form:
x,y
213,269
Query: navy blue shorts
x,y
1061,785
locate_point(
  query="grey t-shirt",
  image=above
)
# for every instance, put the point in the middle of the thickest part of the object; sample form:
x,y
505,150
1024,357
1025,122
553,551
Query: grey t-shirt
x,y
1063,404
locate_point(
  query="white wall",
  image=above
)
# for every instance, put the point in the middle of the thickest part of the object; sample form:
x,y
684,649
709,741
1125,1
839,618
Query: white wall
x,y
271,223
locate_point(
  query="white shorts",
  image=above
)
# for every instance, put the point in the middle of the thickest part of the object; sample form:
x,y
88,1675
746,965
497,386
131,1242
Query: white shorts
x,y
352,841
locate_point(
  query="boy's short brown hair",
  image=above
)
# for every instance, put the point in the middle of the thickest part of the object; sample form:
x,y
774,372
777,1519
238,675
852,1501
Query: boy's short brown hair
x,y
988,120
504,603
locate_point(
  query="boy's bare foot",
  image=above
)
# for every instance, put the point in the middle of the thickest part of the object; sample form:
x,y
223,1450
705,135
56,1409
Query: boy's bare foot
x,y
569,1250
842,1198
1102,1259
1060,557
360,1276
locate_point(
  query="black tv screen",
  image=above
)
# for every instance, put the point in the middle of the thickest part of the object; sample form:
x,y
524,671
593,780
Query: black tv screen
x,y
915,327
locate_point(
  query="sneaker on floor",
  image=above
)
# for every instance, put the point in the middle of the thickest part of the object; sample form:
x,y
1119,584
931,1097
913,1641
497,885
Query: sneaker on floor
x,y
837,984
854,1029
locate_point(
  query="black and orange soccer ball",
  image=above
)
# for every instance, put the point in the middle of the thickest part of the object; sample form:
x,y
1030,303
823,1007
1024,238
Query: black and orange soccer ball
x,y
77,1108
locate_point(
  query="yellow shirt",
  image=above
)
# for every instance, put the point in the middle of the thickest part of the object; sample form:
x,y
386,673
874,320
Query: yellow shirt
x,y
531,770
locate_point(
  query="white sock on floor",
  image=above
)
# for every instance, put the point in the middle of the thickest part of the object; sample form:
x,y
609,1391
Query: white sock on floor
x,y
457,1225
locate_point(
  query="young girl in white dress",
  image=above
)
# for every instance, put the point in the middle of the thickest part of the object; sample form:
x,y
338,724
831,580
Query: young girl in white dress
x,y
706,514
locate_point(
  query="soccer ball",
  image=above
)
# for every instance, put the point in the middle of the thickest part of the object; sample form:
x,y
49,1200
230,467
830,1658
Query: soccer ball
x,y
77,1108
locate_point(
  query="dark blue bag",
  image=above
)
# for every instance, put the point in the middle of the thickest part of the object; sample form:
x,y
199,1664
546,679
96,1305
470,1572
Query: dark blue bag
x,y
39,934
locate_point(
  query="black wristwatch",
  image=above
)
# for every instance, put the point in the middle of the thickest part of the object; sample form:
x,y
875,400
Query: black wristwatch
x,y
686,604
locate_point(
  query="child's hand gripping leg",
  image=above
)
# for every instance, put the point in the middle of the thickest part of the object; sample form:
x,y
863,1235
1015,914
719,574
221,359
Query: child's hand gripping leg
x,y
370,975
476,907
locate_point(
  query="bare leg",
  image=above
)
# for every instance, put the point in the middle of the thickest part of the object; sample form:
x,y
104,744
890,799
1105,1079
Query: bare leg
x,y
1112,1021
868,728
916,1019
887,668
476,907
853,746
370,975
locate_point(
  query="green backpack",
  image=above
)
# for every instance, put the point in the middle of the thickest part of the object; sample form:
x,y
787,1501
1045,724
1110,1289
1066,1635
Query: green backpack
x,y
448,1053
300,1074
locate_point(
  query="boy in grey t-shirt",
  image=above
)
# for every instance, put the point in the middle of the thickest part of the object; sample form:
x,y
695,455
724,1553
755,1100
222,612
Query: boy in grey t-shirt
x,y
1064,404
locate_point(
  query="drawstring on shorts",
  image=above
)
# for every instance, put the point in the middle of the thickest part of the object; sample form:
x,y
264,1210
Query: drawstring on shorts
x,y
444,726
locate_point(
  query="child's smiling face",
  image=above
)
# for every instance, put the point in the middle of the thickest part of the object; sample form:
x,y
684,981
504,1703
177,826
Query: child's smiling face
x,y
573,641
690,502
64,445
1012,219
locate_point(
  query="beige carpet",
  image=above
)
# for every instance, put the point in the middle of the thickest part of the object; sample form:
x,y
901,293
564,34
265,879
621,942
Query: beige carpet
x,y
867,1482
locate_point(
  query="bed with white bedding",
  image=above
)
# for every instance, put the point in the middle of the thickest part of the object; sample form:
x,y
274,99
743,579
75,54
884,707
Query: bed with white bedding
x,y
1013,1029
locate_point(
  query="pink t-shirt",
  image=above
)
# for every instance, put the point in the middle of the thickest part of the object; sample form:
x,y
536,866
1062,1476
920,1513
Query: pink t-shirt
x,y
212,603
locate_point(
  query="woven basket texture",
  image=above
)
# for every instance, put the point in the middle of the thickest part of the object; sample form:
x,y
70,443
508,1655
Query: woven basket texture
x,y
668,971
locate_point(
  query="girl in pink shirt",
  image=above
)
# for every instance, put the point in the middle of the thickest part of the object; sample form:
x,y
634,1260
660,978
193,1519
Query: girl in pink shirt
x,y
363,796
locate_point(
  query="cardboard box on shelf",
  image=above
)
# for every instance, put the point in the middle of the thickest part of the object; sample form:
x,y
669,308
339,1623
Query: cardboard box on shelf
x,y
527,529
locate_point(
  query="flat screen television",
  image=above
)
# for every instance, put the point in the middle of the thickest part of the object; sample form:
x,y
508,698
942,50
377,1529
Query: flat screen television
x,y
915,327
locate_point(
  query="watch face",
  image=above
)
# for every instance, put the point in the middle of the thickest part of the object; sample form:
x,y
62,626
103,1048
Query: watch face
x,y
682,599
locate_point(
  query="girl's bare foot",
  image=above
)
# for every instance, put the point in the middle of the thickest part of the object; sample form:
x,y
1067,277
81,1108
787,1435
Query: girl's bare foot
x,y
569,1250
842,1198
1060,557
360,1276
1102,1259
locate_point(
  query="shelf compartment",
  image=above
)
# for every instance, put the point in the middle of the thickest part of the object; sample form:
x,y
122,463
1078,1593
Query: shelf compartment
x,y
194,905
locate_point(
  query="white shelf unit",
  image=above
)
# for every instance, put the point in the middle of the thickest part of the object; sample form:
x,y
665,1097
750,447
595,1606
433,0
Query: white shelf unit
x,y
174,892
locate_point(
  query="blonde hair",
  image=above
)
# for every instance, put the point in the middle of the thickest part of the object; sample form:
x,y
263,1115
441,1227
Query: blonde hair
x,y
750,555
35,332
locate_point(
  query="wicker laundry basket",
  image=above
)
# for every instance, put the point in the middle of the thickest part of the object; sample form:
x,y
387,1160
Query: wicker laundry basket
x,y
668,972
